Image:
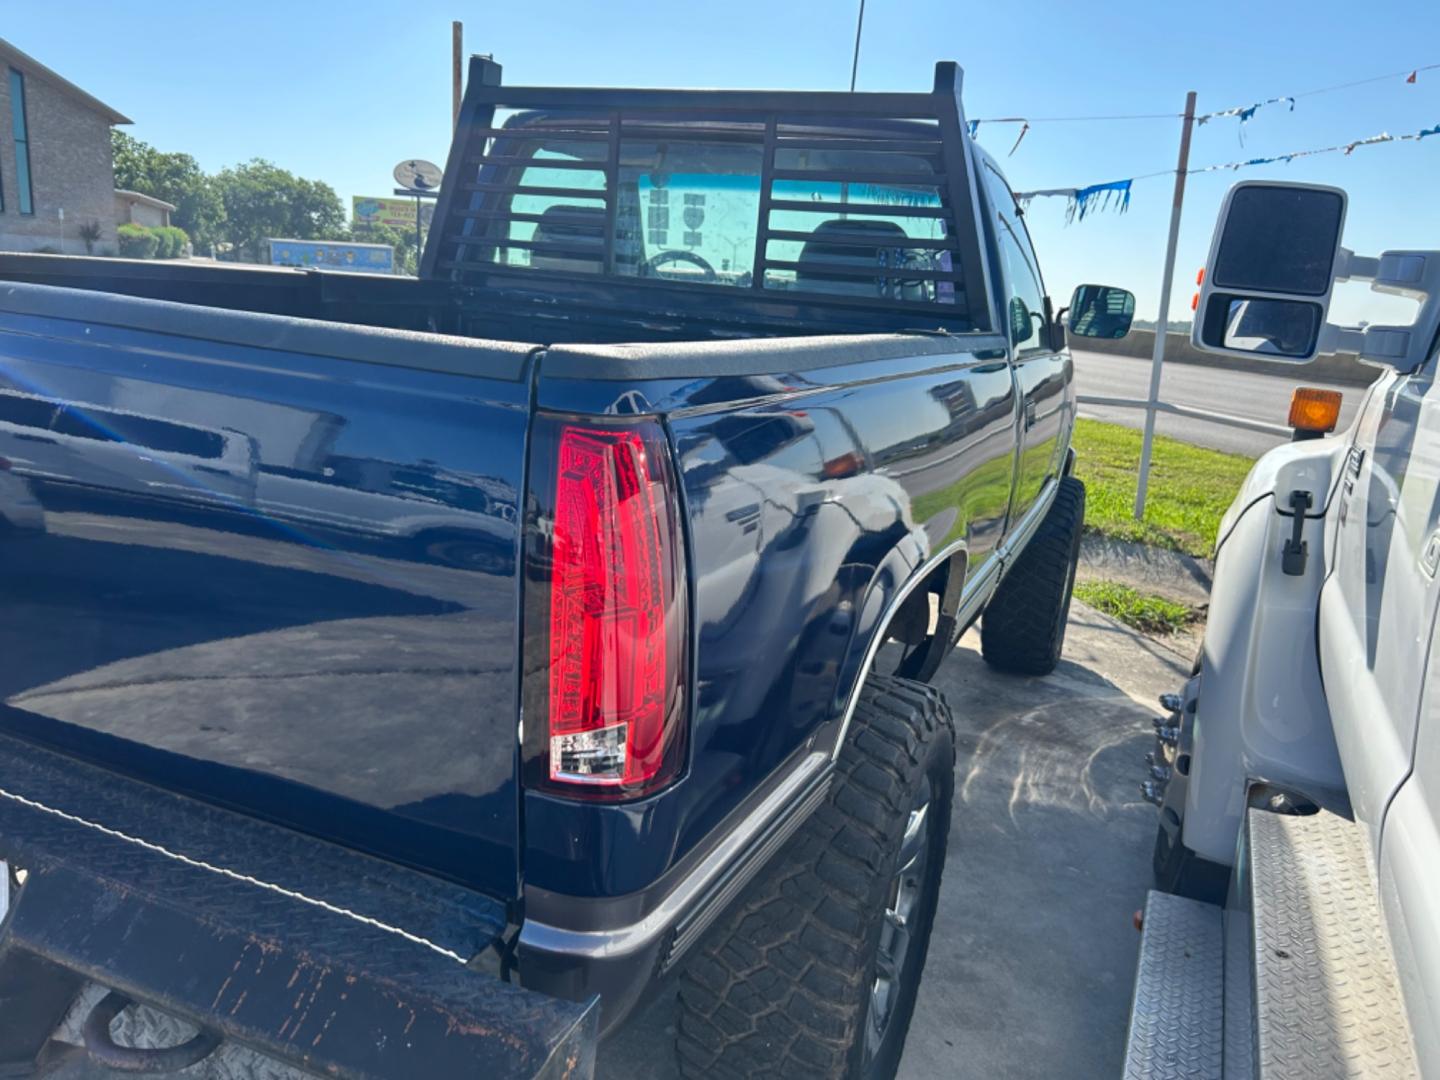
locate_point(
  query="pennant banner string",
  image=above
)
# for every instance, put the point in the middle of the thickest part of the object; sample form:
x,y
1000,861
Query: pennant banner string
x,y
1023,130
1245,112
1116,193
1082,201
1408,74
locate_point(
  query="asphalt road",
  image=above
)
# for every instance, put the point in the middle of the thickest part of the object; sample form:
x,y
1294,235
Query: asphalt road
x,y
1238,393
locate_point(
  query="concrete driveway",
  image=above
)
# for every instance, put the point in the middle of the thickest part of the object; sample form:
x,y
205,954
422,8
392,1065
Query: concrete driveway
x,y
1033,949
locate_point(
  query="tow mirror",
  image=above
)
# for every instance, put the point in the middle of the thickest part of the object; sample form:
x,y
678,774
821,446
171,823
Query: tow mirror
x,y
1272,268
1101,311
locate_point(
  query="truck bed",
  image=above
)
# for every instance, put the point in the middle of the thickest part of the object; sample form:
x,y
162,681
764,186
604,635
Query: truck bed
x,y
274,567
278,557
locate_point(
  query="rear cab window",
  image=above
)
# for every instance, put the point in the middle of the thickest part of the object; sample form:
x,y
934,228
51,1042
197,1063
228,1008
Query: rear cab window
x,y
837,213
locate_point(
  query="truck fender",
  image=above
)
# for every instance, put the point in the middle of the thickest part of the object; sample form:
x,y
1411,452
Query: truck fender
x,y
905,570
1260,715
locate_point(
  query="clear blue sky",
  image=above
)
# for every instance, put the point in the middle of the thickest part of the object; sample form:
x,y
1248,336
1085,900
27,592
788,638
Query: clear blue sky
x,y
340,91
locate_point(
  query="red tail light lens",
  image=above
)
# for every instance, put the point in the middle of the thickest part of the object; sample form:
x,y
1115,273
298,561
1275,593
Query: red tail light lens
x,y
613,624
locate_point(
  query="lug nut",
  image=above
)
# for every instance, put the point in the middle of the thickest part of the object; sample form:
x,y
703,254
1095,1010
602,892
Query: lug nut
x,y
1152,792
1171,702
1160,772
1169,735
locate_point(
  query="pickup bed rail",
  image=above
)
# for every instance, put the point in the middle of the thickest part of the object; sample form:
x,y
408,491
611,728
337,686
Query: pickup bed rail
x,y
318,957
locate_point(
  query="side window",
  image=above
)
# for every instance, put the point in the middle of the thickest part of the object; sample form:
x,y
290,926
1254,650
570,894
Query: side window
x,y
1025,295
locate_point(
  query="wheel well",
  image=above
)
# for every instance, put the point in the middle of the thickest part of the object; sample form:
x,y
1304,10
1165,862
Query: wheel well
x,y
917,607
946,579
926,620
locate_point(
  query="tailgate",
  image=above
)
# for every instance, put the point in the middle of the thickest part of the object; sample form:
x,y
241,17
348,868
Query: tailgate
x,y
279,578
269,940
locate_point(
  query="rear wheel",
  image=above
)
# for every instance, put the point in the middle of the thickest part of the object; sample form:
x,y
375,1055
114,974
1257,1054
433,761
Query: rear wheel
x,y
1023,628
816,970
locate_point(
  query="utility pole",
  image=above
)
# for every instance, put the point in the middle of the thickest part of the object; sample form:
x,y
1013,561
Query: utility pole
x,y
1162,323
457,50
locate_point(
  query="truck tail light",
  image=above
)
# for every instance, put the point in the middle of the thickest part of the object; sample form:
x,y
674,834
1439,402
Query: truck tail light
x,y
605,711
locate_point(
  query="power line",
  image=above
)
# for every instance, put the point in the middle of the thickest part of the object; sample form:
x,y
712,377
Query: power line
x,y
1073,119
1364,82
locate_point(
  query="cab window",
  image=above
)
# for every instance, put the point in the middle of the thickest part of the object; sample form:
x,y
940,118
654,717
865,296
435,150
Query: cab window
x,y
1024,295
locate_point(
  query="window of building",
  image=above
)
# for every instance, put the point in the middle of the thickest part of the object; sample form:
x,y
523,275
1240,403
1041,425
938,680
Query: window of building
x,y
24,202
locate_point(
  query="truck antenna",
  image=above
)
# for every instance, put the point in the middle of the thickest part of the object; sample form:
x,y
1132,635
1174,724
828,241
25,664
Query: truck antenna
x,y
855,63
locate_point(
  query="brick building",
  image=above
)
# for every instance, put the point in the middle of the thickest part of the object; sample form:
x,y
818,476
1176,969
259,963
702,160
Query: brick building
x,y
56,169
135,208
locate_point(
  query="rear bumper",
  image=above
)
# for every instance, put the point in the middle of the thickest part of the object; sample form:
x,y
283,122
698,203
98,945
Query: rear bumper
x,y
320,958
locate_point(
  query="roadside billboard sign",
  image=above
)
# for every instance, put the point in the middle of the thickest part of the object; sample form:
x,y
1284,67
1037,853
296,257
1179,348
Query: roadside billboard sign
x,y
334,255
398,213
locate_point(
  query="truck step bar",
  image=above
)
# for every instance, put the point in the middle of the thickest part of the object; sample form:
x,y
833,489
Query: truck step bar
x,y
1176,1016
1326,998
323,959
1294,979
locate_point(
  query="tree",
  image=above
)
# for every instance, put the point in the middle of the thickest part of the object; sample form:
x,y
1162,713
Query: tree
x,y
176,178
263,201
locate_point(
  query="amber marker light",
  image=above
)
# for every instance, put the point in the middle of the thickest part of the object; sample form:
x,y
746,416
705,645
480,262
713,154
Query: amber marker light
x,y
1314,410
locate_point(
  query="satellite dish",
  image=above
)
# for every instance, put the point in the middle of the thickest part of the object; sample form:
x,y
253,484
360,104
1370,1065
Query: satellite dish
x,y
418,175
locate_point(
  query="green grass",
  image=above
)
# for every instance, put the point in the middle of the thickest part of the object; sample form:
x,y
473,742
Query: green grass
x,y
1190,487
1143,611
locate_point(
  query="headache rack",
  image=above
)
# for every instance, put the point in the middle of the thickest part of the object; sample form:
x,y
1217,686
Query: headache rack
x,y
890,234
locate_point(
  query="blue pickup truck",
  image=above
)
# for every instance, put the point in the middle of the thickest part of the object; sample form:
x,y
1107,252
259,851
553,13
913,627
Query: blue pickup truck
x,y
410,676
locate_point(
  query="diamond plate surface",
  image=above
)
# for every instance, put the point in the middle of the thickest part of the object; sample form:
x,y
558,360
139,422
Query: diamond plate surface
x,y
1327,1001
143,1026
1239,996
1176,1019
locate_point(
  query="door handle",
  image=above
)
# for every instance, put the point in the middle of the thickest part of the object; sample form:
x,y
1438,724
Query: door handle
x,y
1029,414
1430,555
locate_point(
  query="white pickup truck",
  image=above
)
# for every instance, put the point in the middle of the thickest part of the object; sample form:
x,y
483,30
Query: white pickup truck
x,y
1295,928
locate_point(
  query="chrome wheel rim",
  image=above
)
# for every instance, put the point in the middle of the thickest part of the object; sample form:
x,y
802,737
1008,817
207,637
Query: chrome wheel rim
x,y
902,903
